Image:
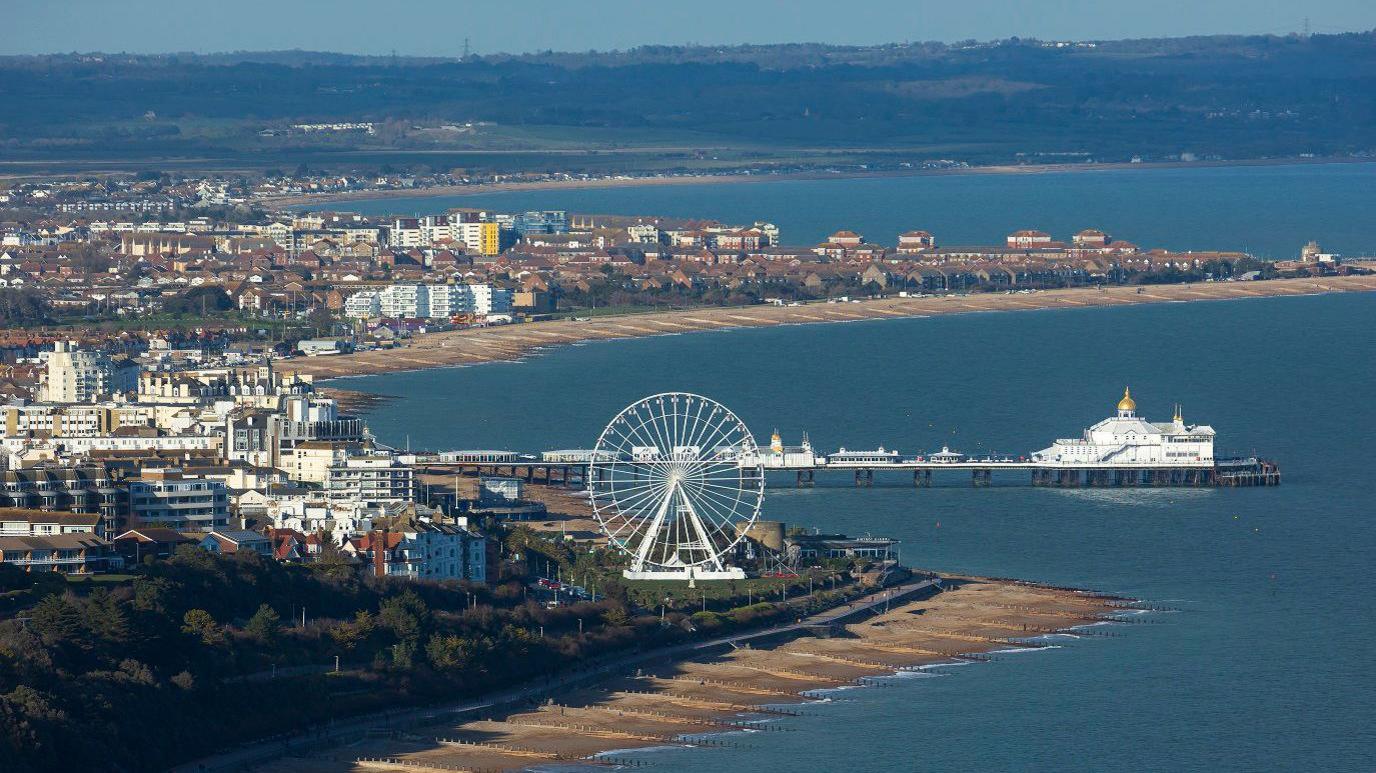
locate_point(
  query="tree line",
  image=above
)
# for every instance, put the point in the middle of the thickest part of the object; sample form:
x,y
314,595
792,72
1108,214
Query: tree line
x,y
179,661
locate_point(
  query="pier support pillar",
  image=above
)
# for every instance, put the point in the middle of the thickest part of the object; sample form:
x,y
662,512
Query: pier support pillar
x,y
804,479
864,478
981,478
922,478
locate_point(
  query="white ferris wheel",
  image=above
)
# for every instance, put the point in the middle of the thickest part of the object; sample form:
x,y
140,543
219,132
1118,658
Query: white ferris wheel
x,y
675,482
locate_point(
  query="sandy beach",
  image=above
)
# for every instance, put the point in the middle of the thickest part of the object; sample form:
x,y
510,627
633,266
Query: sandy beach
x,y
511,342
727,689
313,199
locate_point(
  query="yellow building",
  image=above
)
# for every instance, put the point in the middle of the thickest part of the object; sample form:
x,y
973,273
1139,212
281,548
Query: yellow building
x,y
490,241
481,238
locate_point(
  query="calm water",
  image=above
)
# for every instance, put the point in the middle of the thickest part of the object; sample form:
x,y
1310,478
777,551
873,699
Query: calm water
x,y
1267,210
1267,666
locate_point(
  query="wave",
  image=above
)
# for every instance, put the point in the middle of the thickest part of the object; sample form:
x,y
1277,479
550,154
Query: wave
x,y
915,673
1023,649
946,664
638,750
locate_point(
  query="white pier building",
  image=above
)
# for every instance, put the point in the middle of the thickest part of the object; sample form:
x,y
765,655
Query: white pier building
x,y
1129,441
781,457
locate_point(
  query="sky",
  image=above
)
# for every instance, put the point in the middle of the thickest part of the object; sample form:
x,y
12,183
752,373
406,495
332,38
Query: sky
x,y
439,27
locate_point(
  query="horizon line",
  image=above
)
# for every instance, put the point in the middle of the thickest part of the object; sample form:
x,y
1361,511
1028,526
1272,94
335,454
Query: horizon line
x,y
686,46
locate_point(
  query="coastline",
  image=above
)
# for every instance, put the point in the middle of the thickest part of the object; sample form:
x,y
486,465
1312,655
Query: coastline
x,y
689,695
310,199
474,346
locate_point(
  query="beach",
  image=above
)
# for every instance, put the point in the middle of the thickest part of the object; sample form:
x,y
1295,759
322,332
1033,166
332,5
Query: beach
x,y
472,346
729,687
311,200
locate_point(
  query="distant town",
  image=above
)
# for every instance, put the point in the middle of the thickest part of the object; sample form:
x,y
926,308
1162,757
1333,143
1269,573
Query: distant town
x,y
145,359
128,253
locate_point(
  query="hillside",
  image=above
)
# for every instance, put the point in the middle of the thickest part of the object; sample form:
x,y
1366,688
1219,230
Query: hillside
x,y
1010,101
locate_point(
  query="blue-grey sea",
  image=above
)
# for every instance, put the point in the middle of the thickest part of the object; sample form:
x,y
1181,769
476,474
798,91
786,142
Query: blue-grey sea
x,y
1268,663
1269,211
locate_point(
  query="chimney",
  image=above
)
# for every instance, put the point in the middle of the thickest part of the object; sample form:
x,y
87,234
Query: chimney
x,y
380,554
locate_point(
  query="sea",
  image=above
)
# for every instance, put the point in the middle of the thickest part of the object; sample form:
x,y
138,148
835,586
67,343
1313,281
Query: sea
x,y
1269,211
1260,656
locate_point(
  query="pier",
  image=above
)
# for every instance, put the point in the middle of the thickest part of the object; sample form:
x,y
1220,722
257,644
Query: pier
x,y
529,470
1231,472
1121,451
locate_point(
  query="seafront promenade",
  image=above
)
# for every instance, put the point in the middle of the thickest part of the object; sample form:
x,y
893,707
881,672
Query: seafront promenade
x,y
472,346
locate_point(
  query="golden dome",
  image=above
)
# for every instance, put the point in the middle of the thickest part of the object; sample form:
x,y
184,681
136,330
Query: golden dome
x,y
1127,403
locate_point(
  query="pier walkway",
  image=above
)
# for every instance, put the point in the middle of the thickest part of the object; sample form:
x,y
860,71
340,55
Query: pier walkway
x,y
1228,472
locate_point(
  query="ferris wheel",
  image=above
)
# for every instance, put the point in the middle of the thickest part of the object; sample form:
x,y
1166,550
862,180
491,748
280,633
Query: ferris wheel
x,y
675,482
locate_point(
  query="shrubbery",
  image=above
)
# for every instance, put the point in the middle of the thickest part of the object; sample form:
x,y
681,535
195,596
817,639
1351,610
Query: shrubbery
x,y
193,642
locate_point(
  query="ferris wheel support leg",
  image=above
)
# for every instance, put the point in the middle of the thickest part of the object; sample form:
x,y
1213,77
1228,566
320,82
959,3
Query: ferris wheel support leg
x,y
651,534
701,530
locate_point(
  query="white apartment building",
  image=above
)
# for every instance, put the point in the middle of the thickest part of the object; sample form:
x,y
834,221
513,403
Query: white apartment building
x,y
405,300
363,305
19,450
66,420
79,376
312,460
449,300
488,301
429,301
165,497
643,233
417,547
405,233
312,515
370,479
18,522
438,551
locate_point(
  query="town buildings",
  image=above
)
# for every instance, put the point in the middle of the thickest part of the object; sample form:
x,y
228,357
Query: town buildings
x,y
372,478
414,546
63,553
78,376
430,301
165,497
166,438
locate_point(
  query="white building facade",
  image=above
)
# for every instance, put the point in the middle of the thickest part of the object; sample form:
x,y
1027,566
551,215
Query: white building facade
x,y
370,479
76,375
164,497
1127,440
429,301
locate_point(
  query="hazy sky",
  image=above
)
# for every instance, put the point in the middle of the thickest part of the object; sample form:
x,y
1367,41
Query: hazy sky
x,y
438,27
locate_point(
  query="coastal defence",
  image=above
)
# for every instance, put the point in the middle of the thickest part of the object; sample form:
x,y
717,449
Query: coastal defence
x,y
472,346
703,696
